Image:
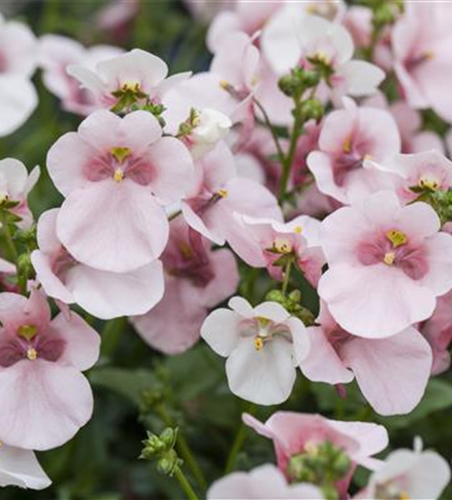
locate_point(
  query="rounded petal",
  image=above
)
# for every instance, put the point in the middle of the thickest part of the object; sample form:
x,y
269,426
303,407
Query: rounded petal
x,y
220,331
359,301
439,275
264,377
361,77
272,311
392,373
242,307
82,343
112,226
44,404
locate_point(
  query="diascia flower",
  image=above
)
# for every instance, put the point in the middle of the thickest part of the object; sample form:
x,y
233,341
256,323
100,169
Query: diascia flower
x,y
196,279
409,474
21,468
116,174
263,346
348,138
15,185
376,247
45,398
218,193
103,294
392,373
265,481
56,53
387,264
293,39
295,434
269,241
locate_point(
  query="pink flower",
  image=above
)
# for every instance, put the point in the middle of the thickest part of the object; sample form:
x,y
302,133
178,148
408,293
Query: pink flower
x,y
438,332
348,137
21,468
392,373
45,398
376,247
18,57
196,279
268,241
428,170
293,38
15,185
219,194
296,433
136,76
56,54
409,474
420,42
263,346
244,16
265,481
116,173
103,294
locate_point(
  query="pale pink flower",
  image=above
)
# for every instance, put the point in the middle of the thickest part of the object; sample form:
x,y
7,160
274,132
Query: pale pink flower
x,y
219,193
263,346
21,468
387,264
56,54
293,38
296,433
409,474
244,16
267,241
438,332
392,373
428,170
196,280
103,294
265,481
15,185
18,59
138,73
116,173
116,18
205,10
45,398
348,137
422,59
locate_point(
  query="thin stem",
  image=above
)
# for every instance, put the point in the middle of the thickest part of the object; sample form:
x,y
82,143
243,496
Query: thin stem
x,y
111,334
287,163
267,121
286,276
185,485
9,239
238,442
183,448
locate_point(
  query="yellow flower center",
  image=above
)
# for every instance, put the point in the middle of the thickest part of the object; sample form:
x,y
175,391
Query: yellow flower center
x,y
389,258
131,85
118,175
120,154
258,343
397,238
429,183
27,332
32,354
404,496
347,145
282,245
222,192
297,229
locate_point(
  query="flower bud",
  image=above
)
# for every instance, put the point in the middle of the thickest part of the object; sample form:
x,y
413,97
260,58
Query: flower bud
x,y
209,127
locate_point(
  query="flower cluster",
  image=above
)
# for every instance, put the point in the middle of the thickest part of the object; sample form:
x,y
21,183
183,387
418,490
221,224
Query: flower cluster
x,y
277,206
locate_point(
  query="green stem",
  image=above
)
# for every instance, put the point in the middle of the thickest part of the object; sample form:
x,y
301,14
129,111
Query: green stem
x,y
185,485
183,448
238,442
9,240
286,276
267,121
287,163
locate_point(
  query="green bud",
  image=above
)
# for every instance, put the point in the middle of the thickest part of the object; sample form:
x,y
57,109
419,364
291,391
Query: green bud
x,y
169,437
295,296
275,296
168,463
311,109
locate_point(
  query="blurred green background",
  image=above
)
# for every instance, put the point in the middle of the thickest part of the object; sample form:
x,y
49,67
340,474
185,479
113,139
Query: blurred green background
x,y
133,385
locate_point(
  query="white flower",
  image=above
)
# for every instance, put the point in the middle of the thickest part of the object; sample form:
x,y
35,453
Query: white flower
x,y
410,474
263,346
